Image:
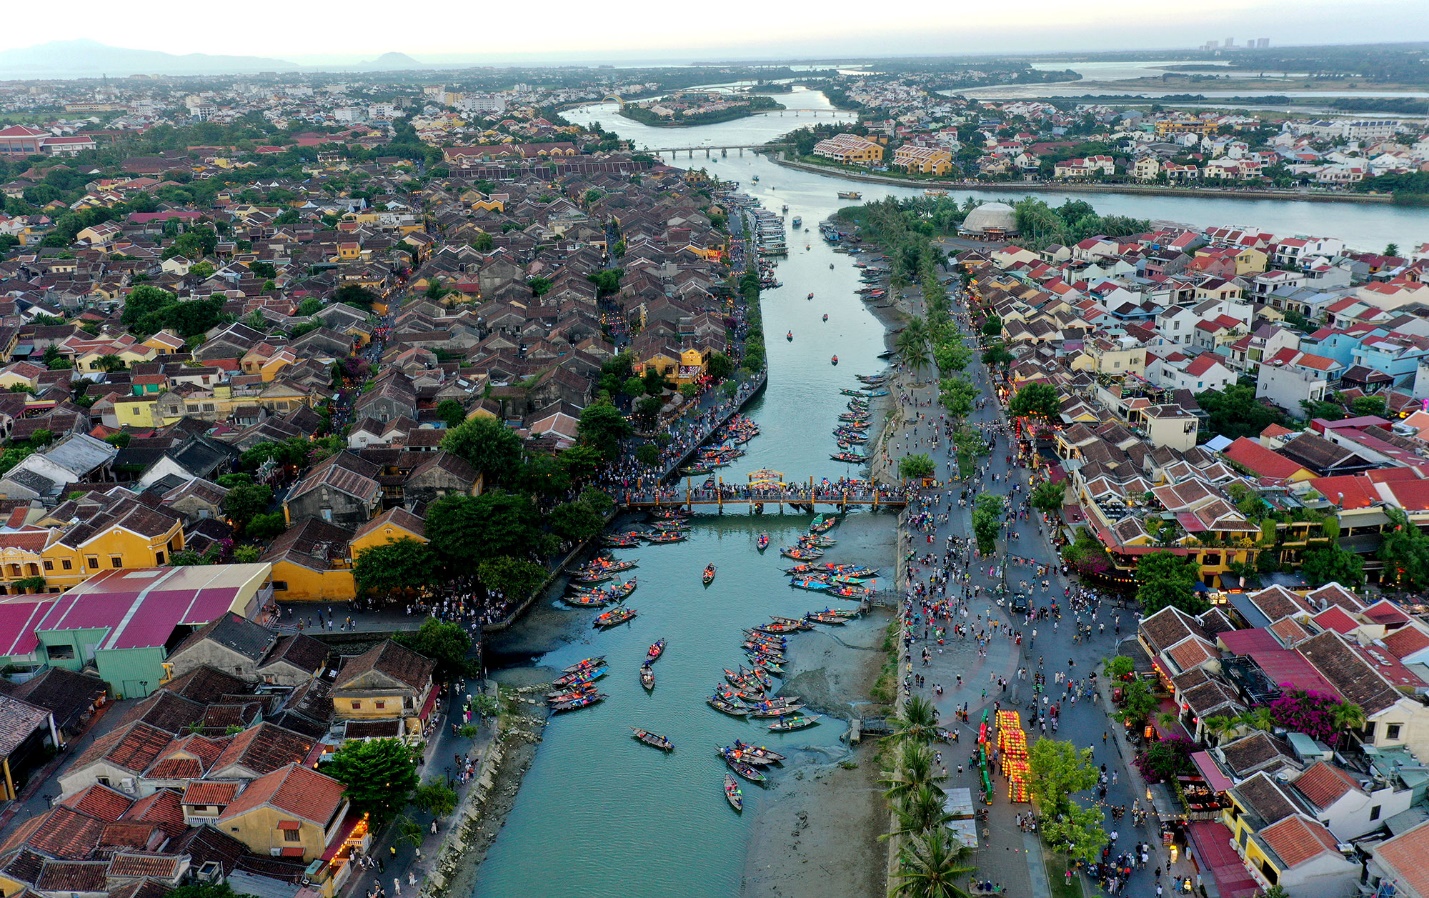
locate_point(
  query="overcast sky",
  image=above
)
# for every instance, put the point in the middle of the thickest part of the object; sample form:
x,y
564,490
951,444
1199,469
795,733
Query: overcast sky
x,y
640,30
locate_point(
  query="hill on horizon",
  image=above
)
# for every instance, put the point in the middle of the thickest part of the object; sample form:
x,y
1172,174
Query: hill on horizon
x,y
87,58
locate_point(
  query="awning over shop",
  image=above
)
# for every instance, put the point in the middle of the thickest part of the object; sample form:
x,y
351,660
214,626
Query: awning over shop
x,y
1211,843
1217,780
427,706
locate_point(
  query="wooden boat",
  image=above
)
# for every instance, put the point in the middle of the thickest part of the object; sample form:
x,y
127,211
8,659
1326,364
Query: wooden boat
x,y
671,514
757,751
585,664
652,654
573,691
834,360
656,539
850,195
665,526
818,542
591,578
730,694
613,618
590,675
789,724
760,654
762,679
654,740
789,336
797,623
745,770
725,706
760,662
588,600
777,628
582,702
647,677
709,574
744,756
621,541
763,542
774,712
847,392
849,458
799,554
871,379
854,593
732,793
825,617
826,316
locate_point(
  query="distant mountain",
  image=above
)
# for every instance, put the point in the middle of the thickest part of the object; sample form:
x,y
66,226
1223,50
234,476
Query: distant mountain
x,y
87,59
391,62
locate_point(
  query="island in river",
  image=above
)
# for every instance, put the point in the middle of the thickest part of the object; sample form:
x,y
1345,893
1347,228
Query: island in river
x,y
698,108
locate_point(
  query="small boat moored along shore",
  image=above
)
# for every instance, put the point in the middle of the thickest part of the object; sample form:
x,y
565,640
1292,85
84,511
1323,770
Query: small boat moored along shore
x,y
732,793
796,722
654,740
613,618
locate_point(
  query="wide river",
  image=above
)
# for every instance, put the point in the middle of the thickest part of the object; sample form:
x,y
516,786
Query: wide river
x,y
599,815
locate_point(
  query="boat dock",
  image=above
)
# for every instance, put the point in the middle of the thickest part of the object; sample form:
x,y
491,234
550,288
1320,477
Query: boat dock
x,y
799,497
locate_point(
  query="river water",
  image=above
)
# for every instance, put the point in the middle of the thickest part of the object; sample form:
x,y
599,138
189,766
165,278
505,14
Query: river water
x,y
601,815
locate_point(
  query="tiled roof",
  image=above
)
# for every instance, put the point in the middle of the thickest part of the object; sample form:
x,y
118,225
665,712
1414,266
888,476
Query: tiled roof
x,y
163,808
133,748
72,876
166,711
1262,797
1250,753
1406,641
128,834
294,789
18,721
388,657
299,650
1350,675
159,866
66,833
1404,857
210,792
205,684
1167,627
1298,839
263,749
99,801
1324,784
233,632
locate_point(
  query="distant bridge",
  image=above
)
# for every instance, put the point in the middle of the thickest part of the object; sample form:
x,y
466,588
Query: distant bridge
x,y
723,150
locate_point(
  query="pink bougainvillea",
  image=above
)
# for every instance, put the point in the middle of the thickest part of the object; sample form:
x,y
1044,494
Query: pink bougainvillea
x,y
1304,711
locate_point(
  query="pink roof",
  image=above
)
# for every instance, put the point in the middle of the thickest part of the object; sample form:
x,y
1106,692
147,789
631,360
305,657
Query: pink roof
x,y
1244,642
17,624
1335,618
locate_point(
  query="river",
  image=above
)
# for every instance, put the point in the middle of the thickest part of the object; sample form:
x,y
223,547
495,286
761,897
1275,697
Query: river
x,y
600,815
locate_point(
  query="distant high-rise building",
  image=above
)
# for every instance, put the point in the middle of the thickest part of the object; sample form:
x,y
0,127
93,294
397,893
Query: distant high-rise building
x,y
1211,45
1262,43
1230,42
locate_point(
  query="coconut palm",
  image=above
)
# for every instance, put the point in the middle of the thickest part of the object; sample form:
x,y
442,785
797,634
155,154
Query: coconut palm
x,y
1257,719
1220,725
921,812
913,771
917,723
1347,716
932,866
912,348
109,363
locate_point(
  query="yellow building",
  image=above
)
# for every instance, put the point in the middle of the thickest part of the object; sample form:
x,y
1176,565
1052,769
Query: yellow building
x,y
311,562
923,160
293,812
1115,358
127,534
1184,126
386,683
849,149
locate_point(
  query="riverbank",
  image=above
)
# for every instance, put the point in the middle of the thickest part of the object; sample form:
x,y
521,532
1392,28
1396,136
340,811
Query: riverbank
x,y
645,116
483,814
818,836
1076,187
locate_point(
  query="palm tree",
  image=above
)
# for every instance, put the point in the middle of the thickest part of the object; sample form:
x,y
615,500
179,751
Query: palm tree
x,y
1257,719
1220,725
917,723
920,812
1347,716
913,771
932,866
109,363
912,348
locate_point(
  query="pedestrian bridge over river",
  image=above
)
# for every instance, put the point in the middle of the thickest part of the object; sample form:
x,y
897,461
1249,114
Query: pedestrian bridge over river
x,y
764,491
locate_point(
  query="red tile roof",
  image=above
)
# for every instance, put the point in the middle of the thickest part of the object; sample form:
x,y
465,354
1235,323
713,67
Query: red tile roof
x,y
1298,839
294,789
1406,641
1347,491
1324,784
1261,461
99,801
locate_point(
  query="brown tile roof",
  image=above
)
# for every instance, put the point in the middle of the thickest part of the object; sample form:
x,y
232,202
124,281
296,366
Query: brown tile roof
x,y
23,866
1209,698
299,650
99,801
163,808
1260,796
1348,672
1193,652
1276,602
66,833
167,711
18,721
72,876
388,657
1288,630
206,684
1250,753
1298,839
129,834
133,747
1167,627
159,866
295,790
263,749
1324,784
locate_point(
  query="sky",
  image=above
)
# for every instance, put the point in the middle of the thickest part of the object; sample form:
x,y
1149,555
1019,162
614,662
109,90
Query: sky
x,y
635,31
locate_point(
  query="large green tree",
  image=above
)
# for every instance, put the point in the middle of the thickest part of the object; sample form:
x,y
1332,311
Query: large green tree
x,y
1048,496
487,445
445,642
916,467
514,578
602,428
1235,412
957,394
1404,549
575,521
394,566
1165,578
463,529
380,776
932,865
246,501
1059,770
1036,401
1332,564
989,511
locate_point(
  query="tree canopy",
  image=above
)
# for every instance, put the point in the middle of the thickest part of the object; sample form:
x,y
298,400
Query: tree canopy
x,y
1165,578
487,445
464,528
444,642
1235,412
402,564
380,776
602,428
1036,401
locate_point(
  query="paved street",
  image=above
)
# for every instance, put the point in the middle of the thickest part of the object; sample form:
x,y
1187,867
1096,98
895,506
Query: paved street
x,y
1002,671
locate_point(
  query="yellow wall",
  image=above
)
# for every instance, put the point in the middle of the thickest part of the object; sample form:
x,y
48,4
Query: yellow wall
x,y
307,585
381,537
365,707
258,829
